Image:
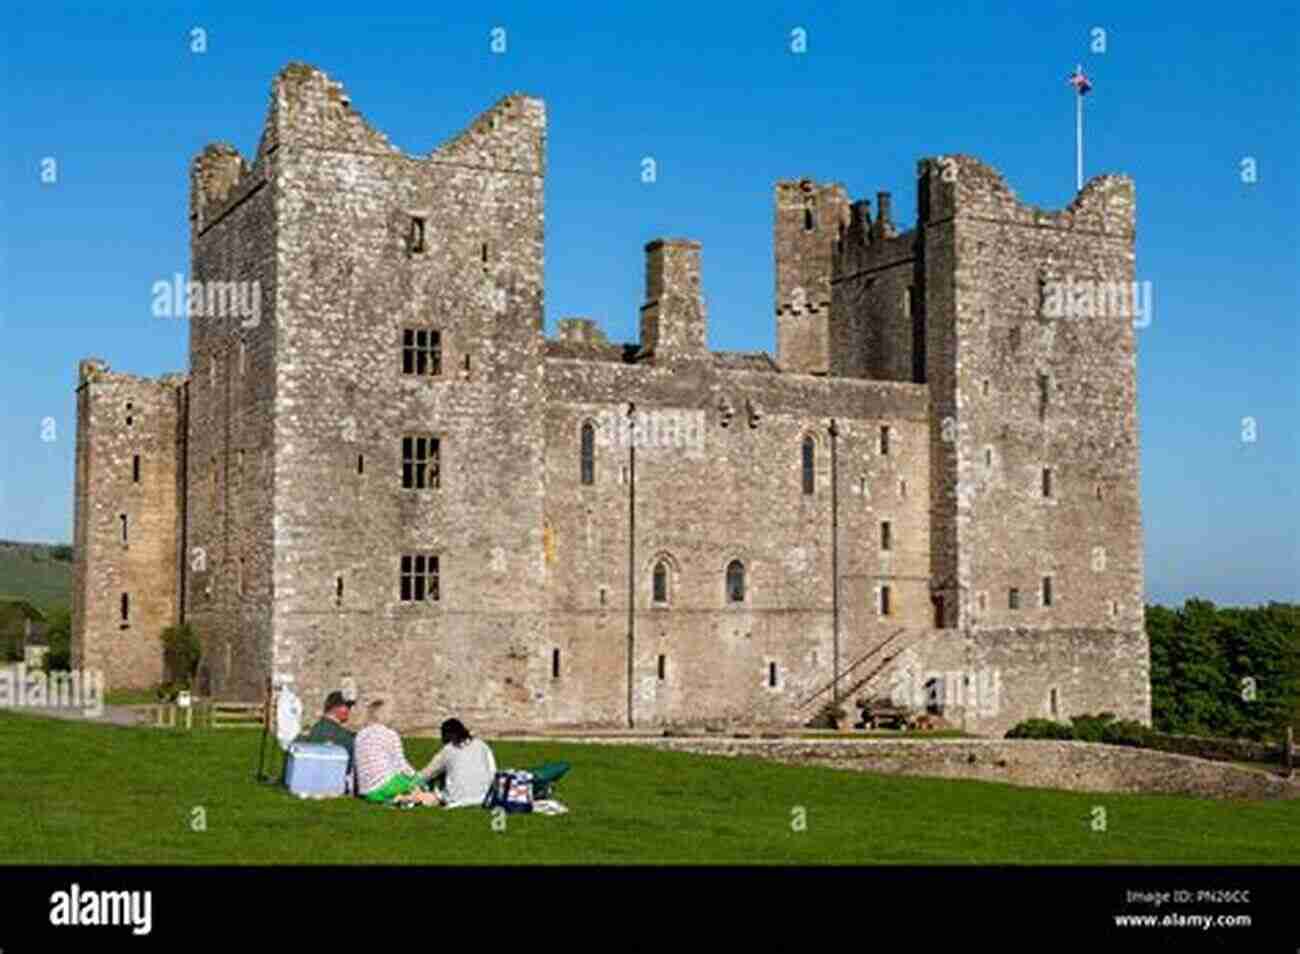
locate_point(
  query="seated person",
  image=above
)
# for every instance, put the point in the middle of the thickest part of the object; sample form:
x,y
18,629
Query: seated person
x,y
383,774
466,764
329,728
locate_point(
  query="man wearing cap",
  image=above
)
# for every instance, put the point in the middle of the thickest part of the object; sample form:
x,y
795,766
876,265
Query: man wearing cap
x,y
329,728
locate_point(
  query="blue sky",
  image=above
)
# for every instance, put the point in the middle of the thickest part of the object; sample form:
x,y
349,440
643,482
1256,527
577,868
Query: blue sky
x,y
724,107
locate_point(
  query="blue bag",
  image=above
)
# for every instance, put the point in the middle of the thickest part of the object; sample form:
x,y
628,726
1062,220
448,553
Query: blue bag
x,y
511,790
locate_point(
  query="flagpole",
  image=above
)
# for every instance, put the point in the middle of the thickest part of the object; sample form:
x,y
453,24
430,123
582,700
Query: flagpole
x,y
1078,136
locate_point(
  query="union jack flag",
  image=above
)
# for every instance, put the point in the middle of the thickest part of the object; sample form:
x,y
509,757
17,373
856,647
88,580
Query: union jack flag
x,y
1079,81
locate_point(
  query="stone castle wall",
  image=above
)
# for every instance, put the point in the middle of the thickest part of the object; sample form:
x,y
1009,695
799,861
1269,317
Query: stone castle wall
x,y
296,427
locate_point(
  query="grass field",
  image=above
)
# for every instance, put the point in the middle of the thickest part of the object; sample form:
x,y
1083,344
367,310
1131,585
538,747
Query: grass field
x,y
28,572
88,794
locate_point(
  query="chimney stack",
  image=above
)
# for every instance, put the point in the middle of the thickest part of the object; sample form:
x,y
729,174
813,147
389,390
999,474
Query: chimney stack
x,y
673,319
884,225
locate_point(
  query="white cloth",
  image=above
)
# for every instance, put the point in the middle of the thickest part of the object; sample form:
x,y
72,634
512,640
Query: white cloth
x,y
469,770
288,718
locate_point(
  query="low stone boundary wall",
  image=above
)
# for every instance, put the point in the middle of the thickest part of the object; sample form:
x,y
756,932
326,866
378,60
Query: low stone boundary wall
x,y
1073,766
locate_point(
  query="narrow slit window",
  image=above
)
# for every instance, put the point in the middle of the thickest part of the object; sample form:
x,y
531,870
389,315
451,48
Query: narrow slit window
x,y
483,253
587,453
361,463
129,416
1047,481
338,590
1047,591
771,675
123,520
417,234
809,465
886,537
1055,703
135,469
663,667
886,601
555,664
809,220
1013,599
1043,392
988,457
884,439
126,608
603,596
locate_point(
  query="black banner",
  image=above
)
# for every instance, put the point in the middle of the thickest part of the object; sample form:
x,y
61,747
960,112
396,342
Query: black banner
x,y
1014,908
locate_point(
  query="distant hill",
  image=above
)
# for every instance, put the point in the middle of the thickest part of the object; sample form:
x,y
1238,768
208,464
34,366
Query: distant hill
x,y
40,573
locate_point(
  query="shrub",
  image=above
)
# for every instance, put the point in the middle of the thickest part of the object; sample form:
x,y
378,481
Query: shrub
x,y
1091,728
182,653
1127,732
1040,729
59,635
828,717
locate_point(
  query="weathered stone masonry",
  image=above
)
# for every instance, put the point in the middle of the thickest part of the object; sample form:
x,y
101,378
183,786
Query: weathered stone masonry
x,y
911,365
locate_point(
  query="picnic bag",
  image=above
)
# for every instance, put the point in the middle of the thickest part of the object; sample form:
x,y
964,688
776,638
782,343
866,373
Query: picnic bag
x,y
511,790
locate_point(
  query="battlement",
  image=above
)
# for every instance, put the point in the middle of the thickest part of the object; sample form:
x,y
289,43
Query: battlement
x,y
97,370
963,185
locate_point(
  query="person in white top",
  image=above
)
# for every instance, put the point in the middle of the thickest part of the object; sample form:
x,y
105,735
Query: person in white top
x,y
466,764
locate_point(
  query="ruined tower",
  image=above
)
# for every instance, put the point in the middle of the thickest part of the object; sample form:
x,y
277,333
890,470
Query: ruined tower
x,y
810,219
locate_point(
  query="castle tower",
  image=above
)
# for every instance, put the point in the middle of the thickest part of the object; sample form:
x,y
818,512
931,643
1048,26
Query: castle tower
x,y
126,523
363,462
1036,536
810,220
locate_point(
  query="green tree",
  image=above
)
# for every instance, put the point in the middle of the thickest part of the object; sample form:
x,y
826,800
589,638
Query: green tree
x,y
182,653
58,632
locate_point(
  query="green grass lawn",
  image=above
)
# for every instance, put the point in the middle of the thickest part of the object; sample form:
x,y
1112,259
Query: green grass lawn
x,y
28,573
87,794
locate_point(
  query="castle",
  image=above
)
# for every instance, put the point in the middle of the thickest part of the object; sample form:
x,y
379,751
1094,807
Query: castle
x,y
390,478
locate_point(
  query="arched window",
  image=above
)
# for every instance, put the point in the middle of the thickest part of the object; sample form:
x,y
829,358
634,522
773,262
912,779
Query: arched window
x,y
588,453
661,582
735,582
809,465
